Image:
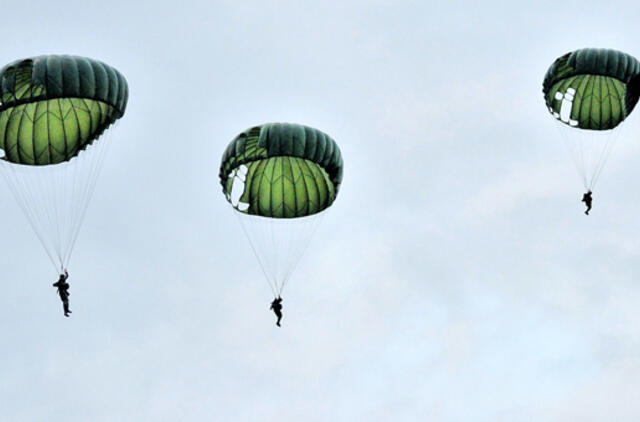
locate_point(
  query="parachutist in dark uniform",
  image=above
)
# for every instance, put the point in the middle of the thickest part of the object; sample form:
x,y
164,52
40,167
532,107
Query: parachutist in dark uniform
x,y
63,291
276,305
587,199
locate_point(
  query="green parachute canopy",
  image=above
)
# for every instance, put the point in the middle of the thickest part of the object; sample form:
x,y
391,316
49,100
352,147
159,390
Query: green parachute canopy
x,y
281,170
592,88
52,107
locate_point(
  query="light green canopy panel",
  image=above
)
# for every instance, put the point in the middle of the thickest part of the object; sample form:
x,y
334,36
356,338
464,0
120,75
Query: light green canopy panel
x,y
53,107
592,88
281,170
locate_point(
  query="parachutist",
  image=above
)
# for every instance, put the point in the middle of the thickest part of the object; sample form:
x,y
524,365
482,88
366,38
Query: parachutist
x,y
591,113
63,291
587,199
276,305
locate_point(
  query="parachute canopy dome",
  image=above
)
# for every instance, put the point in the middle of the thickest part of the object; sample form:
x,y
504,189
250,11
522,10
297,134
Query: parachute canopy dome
x,y
53,107
281,170
592,88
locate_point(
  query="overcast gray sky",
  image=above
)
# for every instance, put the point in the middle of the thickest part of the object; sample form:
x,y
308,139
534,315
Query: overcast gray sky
x,y
455,279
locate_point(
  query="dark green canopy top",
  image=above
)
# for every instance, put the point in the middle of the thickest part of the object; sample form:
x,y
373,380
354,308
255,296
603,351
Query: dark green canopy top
x,y
285,139
595,61
291,170
54,76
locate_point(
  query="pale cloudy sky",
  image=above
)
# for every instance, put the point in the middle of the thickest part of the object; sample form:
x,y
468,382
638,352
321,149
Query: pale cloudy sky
x,y
455,279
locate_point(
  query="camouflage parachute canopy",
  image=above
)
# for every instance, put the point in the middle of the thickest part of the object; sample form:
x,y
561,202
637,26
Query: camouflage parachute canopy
x,y
53,107
281,170
592,88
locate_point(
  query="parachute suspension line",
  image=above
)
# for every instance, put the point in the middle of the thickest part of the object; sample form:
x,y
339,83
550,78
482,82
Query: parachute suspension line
x,y
577,154
74,194
610,143
272,284
53,183
82,190
301,238
55,217
55,198
589,149
583,161
91,170
288,247
24,198
274,245
95,165
11,178
278,244
95,168
78,194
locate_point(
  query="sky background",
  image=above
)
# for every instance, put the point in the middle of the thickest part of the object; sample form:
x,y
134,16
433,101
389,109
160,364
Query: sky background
x,y
455,278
